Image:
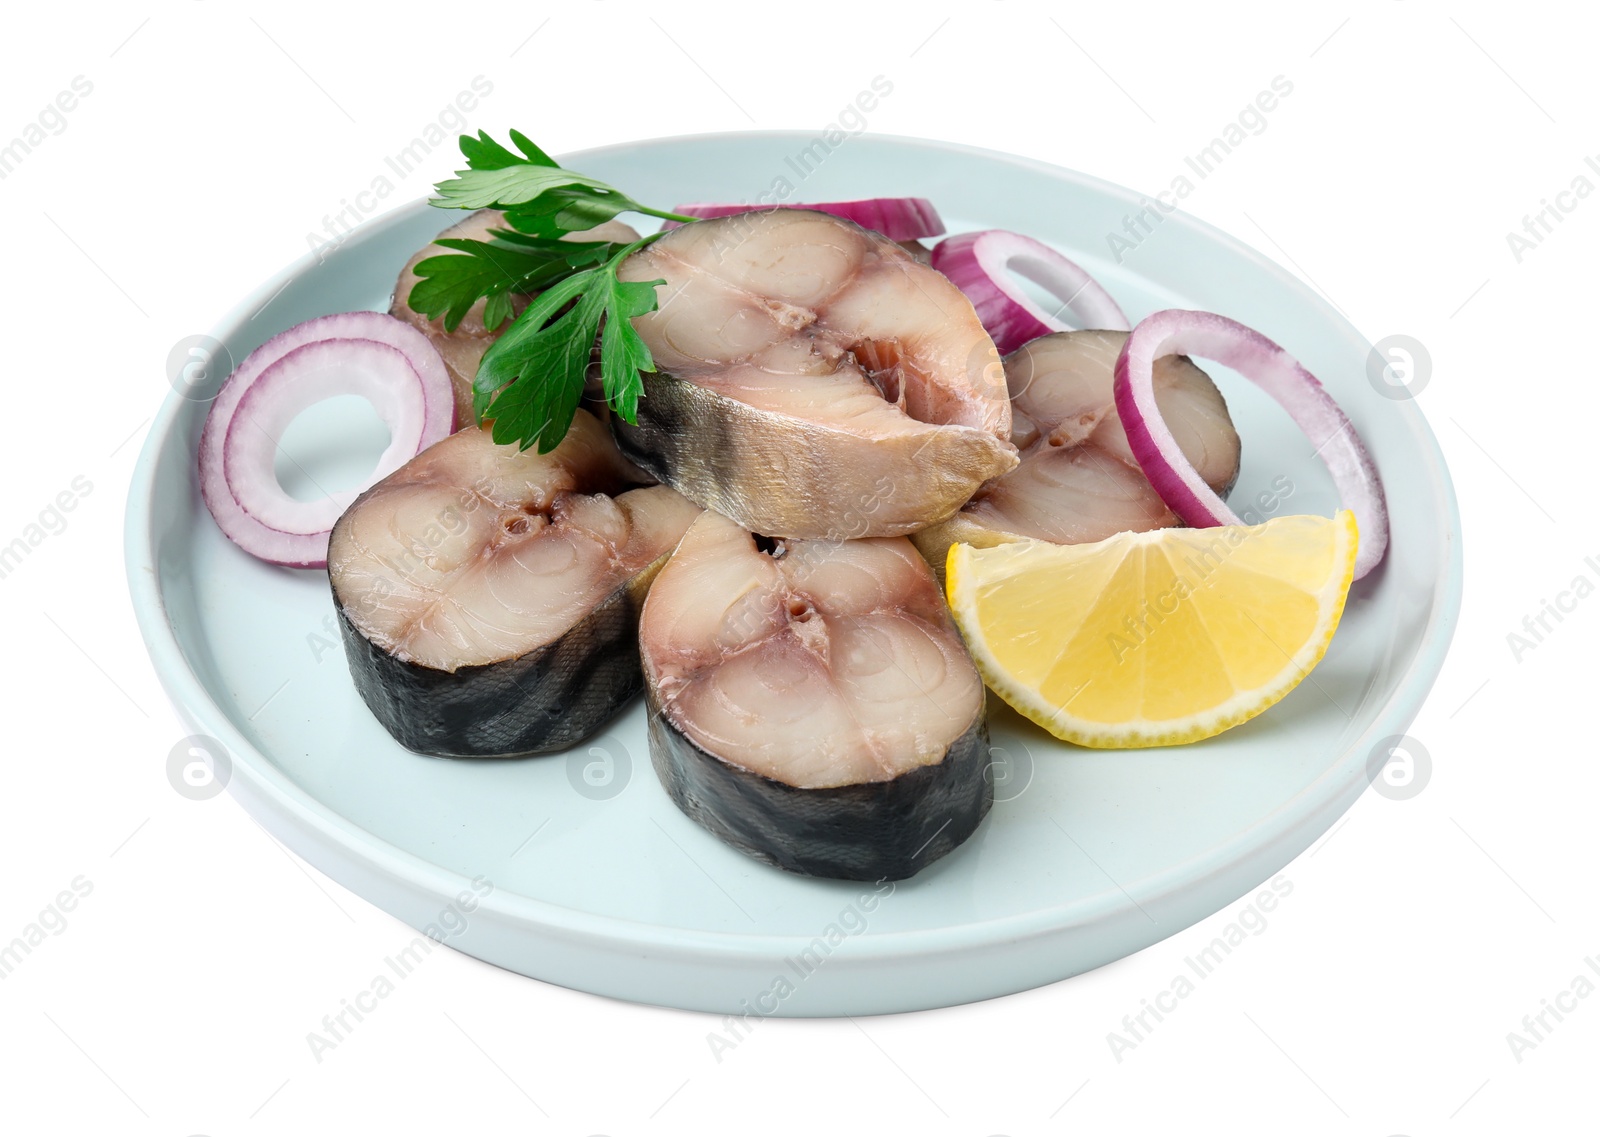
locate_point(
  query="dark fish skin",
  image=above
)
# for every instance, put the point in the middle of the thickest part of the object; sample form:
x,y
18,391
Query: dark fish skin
x,y
546,700
869,831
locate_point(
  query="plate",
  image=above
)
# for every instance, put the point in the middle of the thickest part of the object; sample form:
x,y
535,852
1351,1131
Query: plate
x,y
577,869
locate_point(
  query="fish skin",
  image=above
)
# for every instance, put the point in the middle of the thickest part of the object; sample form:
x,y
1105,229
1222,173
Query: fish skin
x,y
813,379
546,700
870,831
447,647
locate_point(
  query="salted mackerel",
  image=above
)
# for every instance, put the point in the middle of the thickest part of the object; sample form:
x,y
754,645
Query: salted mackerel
x,y
489,596
814,380
811,702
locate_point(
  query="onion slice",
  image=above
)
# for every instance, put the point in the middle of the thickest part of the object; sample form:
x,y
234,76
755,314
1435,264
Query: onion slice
x,y
897,218
1209,336
981,265
365,353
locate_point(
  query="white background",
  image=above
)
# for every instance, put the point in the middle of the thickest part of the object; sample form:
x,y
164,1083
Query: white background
x,y
1419,932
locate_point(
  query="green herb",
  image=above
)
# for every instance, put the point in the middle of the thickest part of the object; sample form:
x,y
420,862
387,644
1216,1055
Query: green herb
x,y
532,377
497,269
538,196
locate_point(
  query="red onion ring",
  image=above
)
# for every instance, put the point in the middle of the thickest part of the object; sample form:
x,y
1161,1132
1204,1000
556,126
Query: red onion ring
x,y
897,218
365,353
1268,366
981,265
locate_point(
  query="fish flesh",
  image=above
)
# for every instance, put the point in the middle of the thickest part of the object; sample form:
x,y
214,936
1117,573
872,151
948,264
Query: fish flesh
x,y
811,702
814,380
1078,481
462,349
489,597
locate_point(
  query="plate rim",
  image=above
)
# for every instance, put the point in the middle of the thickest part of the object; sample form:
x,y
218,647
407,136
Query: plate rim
x,y
269,785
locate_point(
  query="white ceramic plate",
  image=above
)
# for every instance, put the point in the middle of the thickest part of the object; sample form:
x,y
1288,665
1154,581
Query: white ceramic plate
x,y
598,882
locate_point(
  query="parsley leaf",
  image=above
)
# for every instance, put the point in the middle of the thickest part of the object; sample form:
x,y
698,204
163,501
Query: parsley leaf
x,y
623,355
532,377
538,196
484,153
509,263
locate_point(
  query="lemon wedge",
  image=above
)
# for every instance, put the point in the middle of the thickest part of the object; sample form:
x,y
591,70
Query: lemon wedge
x,y
1158,638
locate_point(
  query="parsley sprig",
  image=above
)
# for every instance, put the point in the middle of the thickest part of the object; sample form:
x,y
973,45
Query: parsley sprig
x,y
532,377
